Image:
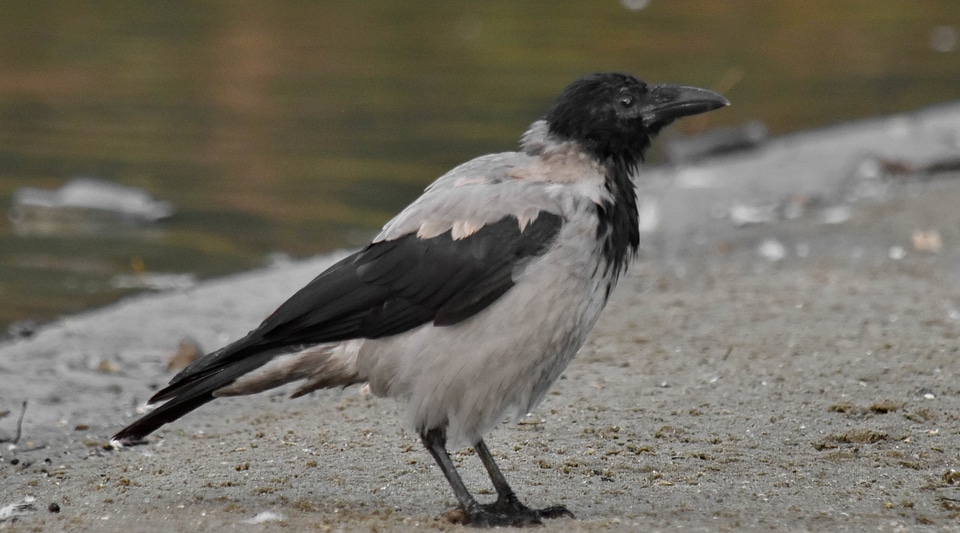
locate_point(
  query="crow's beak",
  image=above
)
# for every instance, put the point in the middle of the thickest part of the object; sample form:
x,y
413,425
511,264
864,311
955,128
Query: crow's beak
x,y
670,102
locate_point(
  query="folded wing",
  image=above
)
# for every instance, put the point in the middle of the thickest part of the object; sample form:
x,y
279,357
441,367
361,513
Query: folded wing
x,y
385,289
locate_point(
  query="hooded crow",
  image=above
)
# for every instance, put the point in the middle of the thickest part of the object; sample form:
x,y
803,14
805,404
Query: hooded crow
x,y
470,303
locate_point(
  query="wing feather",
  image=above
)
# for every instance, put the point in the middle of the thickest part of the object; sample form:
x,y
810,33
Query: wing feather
x,y
390,287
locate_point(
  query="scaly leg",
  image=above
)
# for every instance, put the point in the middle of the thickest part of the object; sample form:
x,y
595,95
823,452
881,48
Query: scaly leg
x,y
436,442
507,502
507,510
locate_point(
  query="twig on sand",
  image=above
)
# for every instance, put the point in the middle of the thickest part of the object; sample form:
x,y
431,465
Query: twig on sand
x,y
16,436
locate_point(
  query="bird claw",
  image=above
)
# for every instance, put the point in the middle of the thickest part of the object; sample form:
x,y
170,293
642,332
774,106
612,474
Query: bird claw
x,y
512,514
556,511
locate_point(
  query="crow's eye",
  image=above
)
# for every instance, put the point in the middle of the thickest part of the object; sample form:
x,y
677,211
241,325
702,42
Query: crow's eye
x,y
626,101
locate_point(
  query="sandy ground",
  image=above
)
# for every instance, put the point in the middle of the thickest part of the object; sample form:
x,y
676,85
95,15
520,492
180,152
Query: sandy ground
x,y
796,373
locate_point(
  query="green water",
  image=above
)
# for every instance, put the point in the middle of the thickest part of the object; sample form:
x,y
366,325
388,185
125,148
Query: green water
x,y
300,127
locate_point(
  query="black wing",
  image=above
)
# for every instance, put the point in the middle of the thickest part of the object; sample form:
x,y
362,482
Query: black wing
x,y
392,286
387,288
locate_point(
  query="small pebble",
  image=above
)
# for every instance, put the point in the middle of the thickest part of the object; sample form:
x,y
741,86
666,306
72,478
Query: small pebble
x,y
772,250
54,507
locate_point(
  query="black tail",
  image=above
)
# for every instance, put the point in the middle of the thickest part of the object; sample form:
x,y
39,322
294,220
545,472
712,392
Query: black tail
x,y
188,391
167,412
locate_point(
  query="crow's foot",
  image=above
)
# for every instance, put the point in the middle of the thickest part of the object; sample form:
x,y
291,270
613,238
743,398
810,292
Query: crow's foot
x,y
511,514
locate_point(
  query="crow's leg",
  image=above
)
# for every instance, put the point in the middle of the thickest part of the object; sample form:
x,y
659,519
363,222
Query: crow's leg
x,y
436,442
506,511
507,504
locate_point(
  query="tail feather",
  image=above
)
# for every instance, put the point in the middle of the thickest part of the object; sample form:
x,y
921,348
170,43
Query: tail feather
x,y
187,394
167,412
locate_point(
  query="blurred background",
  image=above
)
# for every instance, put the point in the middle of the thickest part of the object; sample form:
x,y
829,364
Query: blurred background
x,y
251,132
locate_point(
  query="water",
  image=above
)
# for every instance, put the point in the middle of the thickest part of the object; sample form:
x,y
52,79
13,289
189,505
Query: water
x,y
296,127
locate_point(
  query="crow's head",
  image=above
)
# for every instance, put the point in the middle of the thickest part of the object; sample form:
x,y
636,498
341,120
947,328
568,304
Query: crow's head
x,y
616,115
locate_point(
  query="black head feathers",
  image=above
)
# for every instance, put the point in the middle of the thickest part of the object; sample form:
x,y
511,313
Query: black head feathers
x,y
616,115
